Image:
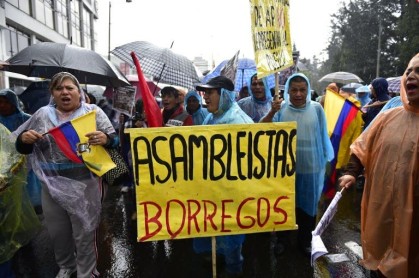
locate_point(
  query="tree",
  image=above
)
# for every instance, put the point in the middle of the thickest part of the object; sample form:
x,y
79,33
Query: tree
x,y
408,35
373,35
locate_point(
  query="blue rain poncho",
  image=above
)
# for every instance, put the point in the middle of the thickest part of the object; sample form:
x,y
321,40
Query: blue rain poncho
x,y
198,116
12,122
230,246
363,95
254,107
18,221
228,111
314,148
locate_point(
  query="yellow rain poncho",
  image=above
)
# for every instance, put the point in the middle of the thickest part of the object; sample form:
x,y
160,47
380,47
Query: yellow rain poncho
x,y
18,221
389,151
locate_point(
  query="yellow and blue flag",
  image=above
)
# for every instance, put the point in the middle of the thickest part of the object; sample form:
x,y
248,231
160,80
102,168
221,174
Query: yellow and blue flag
x,y
344,125
72,133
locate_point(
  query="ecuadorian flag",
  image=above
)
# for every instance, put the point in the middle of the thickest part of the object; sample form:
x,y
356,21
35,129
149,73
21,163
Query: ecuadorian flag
x,y
69,134
344,125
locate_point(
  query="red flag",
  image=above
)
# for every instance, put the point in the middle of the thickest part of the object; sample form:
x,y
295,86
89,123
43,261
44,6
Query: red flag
x,y
151,109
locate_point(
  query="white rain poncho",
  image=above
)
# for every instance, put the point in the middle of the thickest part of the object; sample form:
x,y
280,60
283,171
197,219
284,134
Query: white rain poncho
x,y
256,108
18,221
314,148
71,185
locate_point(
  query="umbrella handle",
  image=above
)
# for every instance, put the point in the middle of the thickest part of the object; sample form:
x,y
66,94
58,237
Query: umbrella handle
x,y
276,95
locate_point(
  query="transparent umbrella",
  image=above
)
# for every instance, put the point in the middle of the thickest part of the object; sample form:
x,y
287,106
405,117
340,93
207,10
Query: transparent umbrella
x,y
351,87
341,77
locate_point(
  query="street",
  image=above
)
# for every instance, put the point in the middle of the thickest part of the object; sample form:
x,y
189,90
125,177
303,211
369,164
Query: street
x,y
120,255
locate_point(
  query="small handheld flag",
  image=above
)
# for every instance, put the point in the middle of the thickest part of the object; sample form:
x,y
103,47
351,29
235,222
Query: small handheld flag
x,y
70,138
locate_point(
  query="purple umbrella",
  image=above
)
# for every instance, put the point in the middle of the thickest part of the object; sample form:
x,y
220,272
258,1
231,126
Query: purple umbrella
x,y
245,69
394,84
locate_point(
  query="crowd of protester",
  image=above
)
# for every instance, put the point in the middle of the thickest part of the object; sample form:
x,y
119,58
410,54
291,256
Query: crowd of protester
x,y
385,155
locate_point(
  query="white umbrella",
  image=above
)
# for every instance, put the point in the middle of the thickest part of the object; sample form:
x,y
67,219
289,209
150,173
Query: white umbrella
x,y
341,77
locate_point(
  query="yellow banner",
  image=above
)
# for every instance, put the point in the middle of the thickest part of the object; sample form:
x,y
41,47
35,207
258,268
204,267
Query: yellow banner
x,y
214,180
271,35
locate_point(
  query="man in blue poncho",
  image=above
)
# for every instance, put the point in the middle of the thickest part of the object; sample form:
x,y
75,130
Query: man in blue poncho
x,y
193,104
314,149
258,103
220,99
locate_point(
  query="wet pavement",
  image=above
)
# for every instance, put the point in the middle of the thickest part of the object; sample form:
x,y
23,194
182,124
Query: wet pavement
x,y
120,255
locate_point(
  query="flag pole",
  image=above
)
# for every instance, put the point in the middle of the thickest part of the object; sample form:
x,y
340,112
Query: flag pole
x,y
214,256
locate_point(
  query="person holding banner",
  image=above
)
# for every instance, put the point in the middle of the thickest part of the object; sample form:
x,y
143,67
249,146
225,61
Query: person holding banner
x,y
314,150
193,104
388,151
71,193
173,111
258,103
220,99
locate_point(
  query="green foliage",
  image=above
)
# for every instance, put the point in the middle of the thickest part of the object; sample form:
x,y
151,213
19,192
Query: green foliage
x,y
373,34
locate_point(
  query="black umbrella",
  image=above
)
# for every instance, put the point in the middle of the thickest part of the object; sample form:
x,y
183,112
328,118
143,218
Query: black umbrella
x,y
163,64
35,96
47,58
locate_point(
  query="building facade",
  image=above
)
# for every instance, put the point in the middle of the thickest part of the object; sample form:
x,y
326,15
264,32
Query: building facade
x,y
26,22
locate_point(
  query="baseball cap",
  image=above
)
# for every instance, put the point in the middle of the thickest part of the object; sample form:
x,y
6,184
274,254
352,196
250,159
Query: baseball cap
x,y
216,83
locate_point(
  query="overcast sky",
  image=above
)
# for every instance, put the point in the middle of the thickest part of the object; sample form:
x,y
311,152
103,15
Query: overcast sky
x,y
212,29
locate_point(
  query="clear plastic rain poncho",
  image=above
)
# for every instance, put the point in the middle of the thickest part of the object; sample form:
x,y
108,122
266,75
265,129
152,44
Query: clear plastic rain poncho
x,y
18,221
198,116
389,151
314,148
70,184
253,107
